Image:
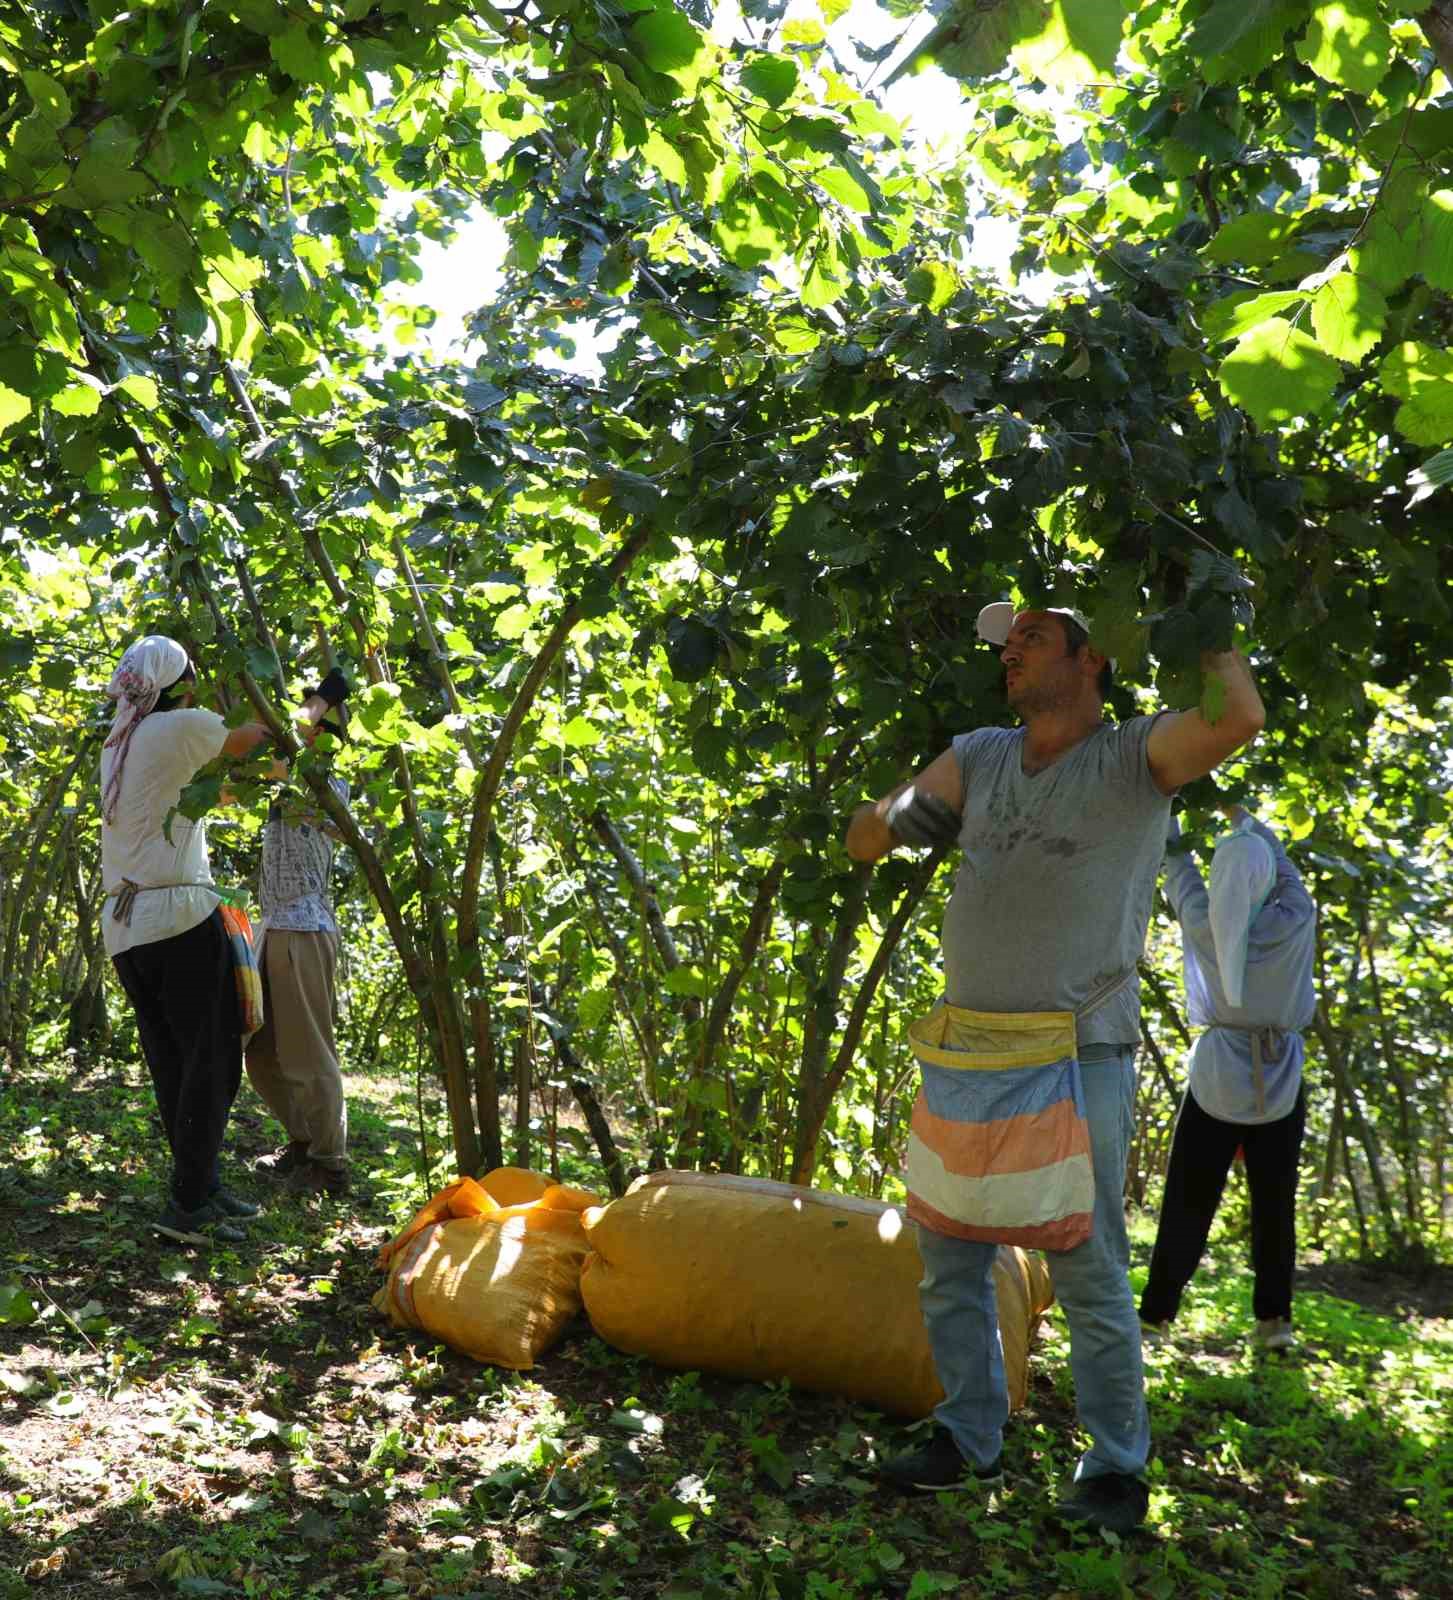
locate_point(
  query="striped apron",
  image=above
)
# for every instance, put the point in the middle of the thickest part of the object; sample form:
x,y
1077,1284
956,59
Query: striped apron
x,y
999,1145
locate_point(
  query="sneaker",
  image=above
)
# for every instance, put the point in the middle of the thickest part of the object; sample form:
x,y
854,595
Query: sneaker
x,y
939,1465
233,1205
314,1178
1275,1333
282,1161
1155,1333
208,1224
1115,1501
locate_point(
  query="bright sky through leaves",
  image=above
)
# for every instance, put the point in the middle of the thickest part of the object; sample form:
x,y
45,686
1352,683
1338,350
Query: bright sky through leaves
x,y
461,276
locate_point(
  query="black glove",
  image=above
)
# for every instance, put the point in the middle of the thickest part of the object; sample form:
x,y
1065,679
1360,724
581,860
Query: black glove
x,y
333,689
1216,580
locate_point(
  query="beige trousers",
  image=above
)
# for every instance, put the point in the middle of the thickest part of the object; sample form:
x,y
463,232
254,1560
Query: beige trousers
x,y
292,1061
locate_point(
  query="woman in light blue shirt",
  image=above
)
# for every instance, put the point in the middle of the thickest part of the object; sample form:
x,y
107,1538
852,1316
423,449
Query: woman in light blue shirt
x,y
1248,947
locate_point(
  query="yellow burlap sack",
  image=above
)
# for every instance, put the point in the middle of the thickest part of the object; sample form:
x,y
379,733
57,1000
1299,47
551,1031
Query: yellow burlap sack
x,y
765,1280
505,1189
496,1279
514,1186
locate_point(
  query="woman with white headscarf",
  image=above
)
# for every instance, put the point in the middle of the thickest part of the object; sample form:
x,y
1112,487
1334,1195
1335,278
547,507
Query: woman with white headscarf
x,y
1248,947
161,925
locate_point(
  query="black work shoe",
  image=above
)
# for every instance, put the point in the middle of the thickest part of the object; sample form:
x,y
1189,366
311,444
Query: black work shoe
x,y
233,1205
281,1162
1116,1501
208,1224
939,1465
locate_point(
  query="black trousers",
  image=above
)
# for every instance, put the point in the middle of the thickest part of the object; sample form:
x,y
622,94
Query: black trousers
x,y
1200,1157
185,997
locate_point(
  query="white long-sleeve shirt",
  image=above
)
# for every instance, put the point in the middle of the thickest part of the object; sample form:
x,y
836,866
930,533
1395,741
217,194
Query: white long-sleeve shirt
x,y
1278,1000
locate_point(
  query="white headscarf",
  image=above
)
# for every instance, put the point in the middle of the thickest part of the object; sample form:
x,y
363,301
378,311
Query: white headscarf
x,y
147,668
1243,871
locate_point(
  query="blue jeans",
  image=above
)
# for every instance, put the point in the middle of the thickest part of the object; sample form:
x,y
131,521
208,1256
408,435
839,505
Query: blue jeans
x,y
1091,1282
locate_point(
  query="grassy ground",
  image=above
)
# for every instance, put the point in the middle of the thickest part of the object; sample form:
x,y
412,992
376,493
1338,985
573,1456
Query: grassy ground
x,y
243,1423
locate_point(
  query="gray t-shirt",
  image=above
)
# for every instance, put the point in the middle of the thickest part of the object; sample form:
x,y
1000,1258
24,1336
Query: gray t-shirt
x,y
1053,894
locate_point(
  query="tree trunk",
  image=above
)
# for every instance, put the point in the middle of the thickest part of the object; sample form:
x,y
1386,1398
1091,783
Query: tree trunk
x,y
36,831
645,895
1437,25
818,1087
595,1119
1332,1049
481,822
1407,1148
721,1007
524,1076
40,936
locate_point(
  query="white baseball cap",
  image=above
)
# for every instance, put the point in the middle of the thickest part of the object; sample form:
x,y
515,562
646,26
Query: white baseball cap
x,y
997,618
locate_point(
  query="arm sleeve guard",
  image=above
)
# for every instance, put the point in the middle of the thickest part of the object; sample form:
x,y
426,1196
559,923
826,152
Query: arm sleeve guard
x,y
924,820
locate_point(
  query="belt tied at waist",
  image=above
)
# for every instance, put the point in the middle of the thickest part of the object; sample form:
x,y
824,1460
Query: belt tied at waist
x,y
1267,1042
125,896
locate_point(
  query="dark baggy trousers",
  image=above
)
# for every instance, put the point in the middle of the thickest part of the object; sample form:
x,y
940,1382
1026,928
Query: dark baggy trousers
x,y
184,994
1200,1157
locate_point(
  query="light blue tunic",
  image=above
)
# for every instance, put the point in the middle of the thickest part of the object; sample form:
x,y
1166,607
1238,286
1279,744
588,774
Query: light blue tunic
x,y
1278,996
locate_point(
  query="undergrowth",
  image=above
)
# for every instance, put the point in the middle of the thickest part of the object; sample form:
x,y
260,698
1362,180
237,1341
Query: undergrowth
x,y
244,1423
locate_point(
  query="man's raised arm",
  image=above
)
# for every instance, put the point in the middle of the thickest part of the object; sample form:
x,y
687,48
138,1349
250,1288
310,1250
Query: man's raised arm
x,y
1183,745
924,811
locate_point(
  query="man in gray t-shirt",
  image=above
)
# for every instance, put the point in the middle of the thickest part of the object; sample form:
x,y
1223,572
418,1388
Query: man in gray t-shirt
x,y
1071,854
1062,827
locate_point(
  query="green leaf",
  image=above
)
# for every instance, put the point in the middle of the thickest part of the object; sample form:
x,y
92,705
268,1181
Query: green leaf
x,y
933,284
1422,377
795,335
823,284
1435,260
16,1306
771,78
668,43
692,648
204,1586
238,328
1077,42
1278,374
14,407
52,103
1348,316
17,651
1253,239
580,733
932,1585
513,622
1389,251
841,185
746,236
99,181
665,158
1246,32
975,41
1348,43
593,1007
297,53
165,246
141,389
1234,314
